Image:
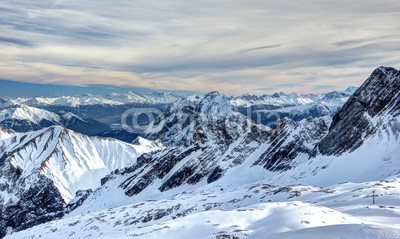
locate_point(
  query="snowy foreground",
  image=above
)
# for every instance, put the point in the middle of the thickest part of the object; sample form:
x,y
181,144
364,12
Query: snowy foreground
x,y
254,211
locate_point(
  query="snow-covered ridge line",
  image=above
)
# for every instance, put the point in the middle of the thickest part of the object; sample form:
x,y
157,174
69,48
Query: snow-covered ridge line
x,y
277,99
24,112
190,119
108,99
24,118
285,100
73,161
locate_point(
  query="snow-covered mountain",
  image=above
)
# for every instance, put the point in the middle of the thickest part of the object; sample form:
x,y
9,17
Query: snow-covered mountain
x,y
195,119
23,118
209,143
208,140
53,166
220,175
294,106
107,109
6,102
282,100
152,98
373,108
207,157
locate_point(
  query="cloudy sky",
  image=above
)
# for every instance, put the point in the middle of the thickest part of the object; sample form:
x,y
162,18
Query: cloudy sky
x,y
234,46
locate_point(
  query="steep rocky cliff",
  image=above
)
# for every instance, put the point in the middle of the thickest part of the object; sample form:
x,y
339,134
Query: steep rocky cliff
x,y
374,104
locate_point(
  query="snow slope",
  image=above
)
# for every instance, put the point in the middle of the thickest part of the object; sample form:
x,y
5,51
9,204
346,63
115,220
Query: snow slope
x,y
47,173
255,211
71,160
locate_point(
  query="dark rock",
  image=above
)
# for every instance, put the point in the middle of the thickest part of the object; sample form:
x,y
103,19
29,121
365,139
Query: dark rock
x,y
37,203
379,94
290,139
215,175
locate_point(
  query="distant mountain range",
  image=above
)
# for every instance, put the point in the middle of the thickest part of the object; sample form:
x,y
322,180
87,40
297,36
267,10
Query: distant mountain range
x,y
23,89
23,118
107,109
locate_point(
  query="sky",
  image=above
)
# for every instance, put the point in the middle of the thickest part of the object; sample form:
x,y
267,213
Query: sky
x,y
232,46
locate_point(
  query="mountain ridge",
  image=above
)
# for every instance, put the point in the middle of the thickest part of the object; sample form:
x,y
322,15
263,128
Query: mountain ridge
x,y
359,116
56,165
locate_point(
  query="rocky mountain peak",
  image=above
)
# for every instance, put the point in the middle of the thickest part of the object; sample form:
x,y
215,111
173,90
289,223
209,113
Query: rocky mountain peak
x,y
358,118
212,94
194,118
380,91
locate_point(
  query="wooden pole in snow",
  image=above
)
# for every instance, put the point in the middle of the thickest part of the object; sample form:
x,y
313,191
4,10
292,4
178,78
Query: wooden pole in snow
x,y
373,197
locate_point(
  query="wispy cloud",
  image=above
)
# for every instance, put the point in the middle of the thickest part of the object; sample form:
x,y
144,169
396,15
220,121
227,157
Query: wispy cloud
x,y
15,41
233,46
261,48
364,40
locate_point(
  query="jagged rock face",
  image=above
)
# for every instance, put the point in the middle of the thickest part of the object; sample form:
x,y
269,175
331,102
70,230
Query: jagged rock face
x,y
289,139
363,113
195,119
26,201
176,166
205,137
212,150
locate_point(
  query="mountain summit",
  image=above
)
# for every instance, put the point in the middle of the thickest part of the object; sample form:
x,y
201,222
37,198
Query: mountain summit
x,y
198,118
52,167
374,105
